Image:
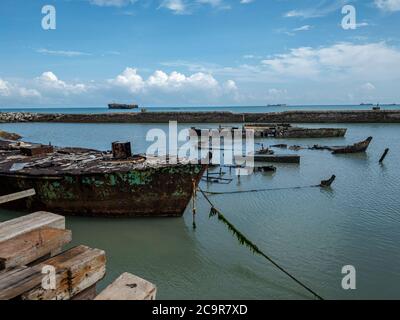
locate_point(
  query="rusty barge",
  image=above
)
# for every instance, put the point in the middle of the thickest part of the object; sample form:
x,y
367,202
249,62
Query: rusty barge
x,y
75,181
286,130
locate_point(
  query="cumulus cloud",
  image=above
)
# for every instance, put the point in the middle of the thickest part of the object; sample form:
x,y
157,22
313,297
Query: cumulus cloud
x,y
173,82
13,90
341,59
174,87
49,81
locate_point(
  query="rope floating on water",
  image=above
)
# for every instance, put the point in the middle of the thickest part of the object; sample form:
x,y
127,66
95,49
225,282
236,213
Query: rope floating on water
x,y
249,244
323,184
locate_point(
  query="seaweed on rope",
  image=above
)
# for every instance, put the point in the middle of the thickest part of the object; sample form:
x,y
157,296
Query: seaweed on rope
x,y
243,240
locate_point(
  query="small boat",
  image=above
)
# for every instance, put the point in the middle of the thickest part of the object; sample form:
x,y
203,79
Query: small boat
x,y
76,181
122,106
355,148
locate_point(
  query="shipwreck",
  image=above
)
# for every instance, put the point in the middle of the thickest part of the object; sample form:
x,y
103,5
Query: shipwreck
x,y
286,130
76,181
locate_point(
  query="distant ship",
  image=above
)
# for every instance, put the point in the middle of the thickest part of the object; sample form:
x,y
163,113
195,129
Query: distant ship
x,y
277,105
122,106
366,104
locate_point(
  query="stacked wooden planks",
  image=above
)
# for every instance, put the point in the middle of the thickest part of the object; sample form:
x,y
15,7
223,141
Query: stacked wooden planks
x,y
31,253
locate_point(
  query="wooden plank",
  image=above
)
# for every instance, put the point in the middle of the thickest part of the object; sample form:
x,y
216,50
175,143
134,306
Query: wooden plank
x,y
76,270
87,294
13,228
129,287
17,281
31,246
17,196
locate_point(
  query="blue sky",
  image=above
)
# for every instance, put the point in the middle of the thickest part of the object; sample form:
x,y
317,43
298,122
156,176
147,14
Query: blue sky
x,y
198,52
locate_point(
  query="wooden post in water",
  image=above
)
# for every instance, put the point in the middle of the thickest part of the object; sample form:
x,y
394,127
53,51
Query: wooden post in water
x,y
384,155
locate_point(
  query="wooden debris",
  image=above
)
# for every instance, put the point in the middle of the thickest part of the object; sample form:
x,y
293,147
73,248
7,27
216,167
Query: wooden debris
x,y
13,228
277,158
281,146
36,150
9,136
121,150
129,287
31,246
328,183
384,155
17,196
76,270
16,281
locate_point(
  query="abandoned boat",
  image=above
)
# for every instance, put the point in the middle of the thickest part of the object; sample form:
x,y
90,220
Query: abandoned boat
x,y
122,106
286,130
75,181
355,148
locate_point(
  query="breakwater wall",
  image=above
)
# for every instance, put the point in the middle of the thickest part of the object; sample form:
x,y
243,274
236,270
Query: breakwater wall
x,y
359,116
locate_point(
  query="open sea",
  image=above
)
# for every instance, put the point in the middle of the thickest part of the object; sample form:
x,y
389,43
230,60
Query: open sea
x,y
312,232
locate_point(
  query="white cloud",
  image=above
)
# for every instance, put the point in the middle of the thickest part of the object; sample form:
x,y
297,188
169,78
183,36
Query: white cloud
x,y
321,9
4,88
303,28
184,7
11,90
49,81
111,3
64,53
176,6
368,86
341,60
174,82
388,5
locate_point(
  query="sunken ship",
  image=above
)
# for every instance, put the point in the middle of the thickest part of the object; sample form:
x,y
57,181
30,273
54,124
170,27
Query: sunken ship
x,y
122,106
76,181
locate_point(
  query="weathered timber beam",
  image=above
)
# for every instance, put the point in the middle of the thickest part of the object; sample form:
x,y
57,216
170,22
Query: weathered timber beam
x,y
129,287
17,196
76,270
15,227
29,247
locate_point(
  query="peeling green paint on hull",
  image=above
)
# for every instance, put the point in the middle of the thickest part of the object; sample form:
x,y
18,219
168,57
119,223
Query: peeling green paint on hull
x,y
161,191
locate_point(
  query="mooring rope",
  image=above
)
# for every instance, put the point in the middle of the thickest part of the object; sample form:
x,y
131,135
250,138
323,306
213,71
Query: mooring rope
x,y
259,190
245,241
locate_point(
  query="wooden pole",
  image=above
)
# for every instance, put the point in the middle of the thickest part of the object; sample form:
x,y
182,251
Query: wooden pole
x,y
17,196
384,155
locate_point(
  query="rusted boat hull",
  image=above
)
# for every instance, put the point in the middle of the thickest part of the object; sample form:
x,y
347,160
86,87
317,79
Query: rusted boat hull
x,y
288,131
283,158
356,148
151,192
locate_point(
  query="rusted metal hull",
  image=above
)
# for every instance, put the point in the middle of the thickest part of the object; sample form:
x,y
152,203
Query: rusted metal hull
x,y
150,192
289,131
356,148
